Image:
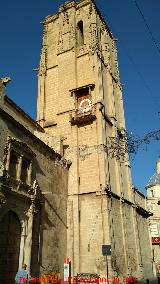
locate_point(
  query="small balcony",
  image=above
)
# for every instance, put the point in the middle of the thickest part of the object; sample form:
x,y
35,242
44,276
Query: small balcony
x,y
18,186
79,118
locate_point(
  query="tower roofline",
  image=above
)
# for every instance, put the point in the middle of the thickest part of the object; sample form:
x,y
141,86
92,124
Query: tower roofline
x,y
69,4
101,16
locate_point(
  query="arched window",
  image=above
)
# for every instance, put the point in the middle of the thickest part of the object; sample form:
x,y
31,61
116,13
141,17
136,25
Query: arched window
x,y
80,33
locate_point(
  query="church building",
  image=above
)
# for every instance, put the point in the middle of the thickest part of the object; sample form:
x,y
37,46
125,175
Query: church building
x,y
33,194
62,191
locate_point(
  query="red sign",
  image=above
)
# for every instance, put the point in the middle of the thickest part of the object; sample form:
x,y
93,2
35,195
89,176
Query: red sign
x,y
66,259
155,240
67,270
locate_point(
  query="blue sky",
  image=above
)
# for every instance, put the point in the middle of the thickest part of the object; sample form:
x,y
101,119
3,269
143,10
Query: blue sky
x,y
139,62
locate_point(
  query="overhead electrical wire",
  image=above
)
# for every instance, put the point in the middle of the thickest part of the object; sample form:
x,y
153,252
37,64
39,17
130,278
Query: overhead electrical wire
x,y
149,91
143,80
147,26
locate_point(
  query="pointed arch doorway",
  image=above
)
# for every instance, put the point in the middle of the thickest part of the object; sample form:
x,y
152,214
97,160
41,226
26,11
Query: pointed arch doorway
x,y
10,237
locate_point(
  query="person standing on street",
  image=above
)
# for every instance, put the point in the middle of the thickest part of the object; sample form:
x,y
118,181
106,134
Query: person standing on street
x,y
22,275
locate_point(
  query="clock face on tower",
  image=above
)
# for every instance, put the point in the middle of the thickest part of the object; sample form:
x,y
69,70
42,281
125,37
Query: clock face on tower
x,y
85,105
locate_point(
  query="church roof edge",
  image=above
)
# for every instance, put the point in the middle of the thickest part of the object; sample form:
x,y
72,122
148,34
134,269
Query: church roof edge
x,y
20,110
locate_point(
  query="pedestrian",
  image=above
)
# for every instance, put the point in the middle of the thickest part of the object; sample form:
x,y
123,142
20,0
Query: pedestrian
x,y
22,275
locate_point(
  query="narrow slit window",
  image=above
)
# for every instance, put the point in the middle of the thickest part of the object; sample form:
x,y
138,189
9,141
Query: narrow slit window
x,y
80,34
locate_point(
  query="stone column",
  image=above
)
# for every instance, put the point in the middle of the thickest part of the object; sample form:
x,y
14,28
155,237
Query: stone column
x,y
30,174
8,157
23,236
28,241
19,168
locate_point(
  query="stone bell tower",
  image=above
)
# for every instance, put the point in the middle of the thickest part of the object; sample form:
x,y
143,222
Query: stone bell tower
x,y
80,99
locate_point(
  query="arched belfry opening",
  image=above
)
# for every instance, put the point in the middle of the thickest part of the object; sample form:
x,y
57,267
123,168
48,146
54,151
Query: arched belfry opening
x,y
10,237
80,33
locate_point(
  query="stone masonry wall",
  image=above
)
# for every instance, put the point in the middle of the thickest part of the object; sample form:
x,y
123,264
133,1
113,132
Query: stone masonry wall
x,y
49,245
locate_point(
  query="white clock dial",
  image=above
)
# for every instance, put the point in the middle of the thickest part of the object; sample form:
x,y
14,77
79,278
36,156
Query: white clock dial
x,y
85,105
